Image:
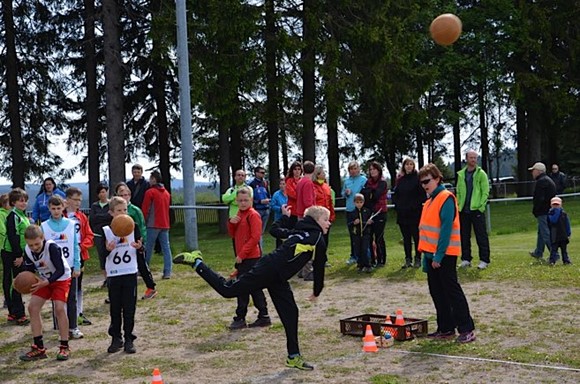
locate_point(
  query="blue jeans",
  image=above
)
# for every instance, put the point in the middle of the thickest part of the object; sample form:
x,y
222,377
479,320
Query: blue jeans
x,y
543,236
163,235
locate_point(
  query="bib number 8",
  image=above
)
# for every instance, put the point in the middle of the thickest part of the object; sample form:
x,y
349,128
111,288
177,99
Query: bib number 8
x,y
126,258
65,252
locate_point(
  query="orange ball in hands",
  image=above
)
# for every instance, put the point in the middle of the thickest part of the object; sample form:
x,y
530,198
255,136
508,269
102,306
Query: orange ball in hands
x,y
24,280
122,225
446,29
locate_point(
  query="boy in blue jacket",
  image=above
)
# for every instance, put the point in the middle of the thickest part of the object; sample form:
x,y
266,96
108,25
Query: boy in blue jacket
x,y
560,231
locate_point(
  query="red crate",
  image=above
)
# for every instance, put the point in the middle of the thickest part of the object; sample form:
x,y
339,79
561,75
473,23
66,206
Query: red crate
x,y
357,325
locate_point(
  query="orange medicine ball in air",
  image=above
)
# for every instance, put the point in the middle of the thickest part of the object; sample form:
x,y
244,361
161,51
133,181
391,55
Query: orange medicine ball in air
x,y
446,29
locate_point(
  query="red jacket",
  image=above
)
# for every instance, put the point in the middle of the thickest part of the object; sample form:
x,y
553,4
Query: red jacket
x,y
86,234
291,193
156,207
247,233
305,195
324,198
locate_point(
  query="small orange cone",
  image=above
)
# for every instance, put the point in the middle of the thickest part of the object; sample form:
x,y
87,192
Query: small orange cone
x,y
388,320
369,343
400,320
157,377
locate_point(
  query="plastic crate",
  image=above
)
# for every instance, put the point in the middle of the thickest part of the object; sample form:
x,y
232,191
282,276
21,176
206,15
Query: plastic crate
x,y
356,326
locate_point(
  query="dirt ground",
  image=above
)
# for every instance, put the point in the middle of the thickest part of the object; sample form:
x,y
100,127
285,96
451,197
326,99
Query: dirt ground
x,y
183,332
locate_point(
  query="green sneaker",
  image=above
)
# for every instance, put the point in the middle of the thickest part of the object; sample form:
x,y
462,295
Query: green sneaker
x,y
188,258
298,362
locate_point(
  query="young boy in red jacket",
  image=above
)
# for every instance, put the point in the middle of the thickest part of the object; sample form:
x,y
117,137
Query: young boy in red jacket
x,y
246,230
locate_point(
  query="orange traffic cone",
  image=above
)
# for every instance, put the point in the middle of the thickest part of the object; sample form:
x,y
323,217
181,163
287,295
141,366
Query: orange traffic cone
x,y
400,320
157,377
369,343
388,320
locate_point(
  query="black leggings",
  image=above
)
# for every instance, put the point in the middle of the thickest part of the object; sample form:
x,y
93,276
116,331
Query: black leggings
x,y
12,297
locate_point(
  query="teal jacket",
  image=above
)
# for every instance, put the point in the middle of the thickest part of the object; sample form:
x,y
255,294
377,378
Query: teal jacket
x,y
480,190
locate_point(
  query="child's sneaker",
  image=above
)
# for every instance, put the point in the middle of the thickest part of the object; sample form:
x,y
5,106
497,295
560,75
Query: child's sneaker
x,y
82,320
115,346
438,335
298,362
35,353
188,258
63,352
238,324
261,322
76,334
11,319
129,347
149,294
466,337
23,321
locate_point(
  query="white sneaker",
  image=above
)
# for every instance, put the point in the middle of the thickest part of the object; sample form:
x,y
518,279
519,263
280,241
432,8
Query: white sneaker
x,y
482,265
465,264
76,334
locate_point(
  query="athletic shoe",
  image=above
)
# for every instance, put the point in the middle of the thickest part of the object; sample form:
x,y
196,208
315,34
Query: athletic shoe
x,y
188,258
465,264
23,321
166,277
367,270
466,337
35,353
482,265
238,324
298,362
407,265
438,335
63,352
351,261
534,255
567,262
115,346
149,294
417,263
129,347
82,320
261,322
107,301
75,334
11,319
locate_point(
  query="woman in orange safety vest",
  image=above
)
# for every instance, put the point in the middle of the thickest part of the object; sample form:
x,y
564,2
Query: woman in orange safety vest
x,y
440,242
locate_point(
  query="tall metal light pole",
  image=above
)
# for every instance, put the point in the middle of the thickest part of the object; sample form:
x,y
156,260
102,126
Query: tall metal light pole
x,y
187,160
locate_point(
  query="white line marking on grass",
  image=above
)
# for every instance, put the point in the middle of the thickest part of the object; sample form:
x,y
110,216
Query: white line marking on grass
x,y
555,367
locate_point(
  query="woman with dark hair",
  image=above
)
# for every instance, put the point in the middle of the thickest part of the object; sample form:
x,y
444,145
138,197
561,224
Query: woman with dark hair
x,y
100,217
292,178
375,193
409,197
440,242
40,210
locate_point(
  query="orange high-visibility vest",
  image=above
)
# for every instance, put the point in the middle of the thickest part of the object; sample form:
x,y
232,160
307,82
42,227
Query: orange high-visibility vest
x,y
430,226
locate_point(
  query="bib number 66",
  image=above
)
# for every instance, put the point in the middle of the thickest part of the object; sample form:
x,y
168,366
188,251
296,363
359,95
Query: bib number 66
x,y
126,258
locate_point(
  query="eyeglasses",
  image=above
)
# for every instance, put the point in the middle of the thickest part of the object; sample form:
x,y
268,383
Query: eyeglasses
x,y
426,181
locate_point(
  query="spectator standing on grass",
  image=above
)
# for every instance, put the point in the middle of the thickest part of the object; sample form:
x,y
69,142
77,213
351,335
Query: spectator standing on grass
x,y
559,179
440,242
156,212
544,190
292,179
353,184
278,200
408,197
375,193
560,231
472,193
305,198
100,217
323,195
261,197
40,210
138,185
229,197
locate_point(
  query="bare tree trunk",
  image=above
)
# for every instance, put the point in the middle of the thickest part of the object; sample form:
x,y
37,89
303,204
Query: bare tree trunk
x,y
522,143
17,146
92,100
285,163
456,137
271,114
224,172
308,82
114,92
483,126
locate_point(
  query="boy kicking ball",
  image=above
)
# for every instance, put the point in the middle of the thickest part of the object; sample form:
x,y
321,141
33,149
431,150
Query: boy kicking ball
x,y
46,257
272,271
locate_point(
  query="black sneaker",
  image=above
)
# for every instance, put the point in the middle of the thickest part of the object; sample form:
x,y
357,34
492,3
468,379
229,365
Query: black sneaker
x,y
466,337
129,347
407,265
438,335
238,324
115,346
261,322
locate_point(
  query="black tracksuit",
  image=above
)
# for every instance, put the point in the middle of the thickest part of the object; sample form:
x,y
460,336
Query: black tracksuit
x,y
272,271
